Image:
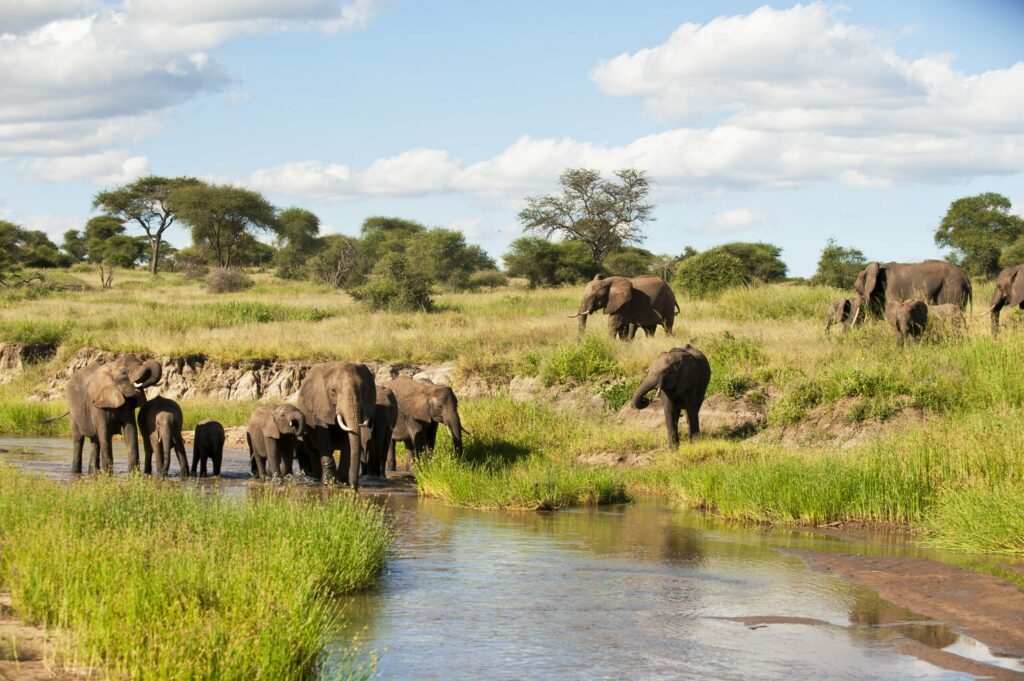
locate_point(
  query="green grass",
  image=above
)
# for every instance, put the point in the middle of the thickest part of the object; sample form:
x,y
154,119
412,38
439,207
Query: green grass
x,y
159,581
35,331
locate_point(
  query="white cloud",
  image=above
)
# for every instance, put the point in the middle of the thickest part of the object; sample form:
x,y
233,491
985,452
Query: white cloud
x,y
736,220
106,168
418,171
858,180
307,179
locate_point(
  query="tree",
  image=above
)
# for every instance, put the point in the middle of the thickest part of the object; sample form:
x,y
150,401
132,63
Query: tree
x,y
543,263
74,245
603,214
664,265
1013,254
838,267
224,218
395,287
761,261
387,235
443,257
298,239
108,247
628,262
977,229
28,248
147,202
707,274
340,262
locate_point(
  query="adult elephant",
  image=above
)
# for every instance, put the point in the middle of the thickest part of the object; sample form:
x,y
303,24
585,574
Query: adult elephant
x,y
1009,291
338,400
385,418
102,399
630,303
272,436
160,422
682,375
429,404
934,282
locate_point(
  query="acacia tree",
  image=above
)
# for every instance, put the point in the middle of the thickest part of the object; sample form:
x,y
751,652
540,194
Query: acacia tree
x,y
977,229
223,217
107,246
147,202
606,215
298,238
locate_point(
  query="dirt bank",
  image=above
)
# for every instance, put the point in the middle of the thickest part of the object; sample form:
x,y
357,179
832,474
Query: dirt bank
x,y
26,651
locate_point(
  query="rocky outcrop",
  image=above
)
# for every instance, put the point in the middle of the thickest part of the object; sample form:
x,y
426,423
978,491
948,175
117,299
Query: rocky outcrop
x,y
15,356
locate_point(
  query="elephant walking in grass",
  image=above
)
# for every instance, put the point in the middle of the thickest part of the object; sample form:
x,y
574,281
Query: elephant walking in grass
x,y
682,375
338,400
841,312
934,282
160,422
272,436
1009,291
908,317
641,302
429,405
102,399
207,444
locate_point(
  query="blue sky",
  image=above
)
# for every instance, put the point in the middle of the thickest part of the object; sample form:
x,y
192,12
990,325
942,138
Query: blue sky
x,y
790,123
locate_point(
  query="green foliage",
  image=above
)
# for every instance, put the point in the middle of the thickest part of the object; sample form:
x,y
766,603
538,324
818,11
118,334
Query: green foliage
x,y
544,263
487,278
74,245
383,235
617,393
443,257
577,362
628,262
298,239
606,215
977,229
761,261
1013,254
393,286
707,274
737,364
838,266
151,580
340,263
781,302
35,331
979,519
20,247
224,219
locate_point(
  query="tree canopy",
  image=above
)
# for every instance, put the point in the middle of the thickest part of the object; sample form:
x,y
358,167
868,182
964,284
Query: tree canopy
x,y
977,229
838,266
224,219
21,247
606,215
707,274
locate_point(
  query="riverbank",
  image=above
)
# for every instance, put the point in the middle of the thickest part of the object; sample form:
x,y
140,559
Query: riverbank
x,y
139,575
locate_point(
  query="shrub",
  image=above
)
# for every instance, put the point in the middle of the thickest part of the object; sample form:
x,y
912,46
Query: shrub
x,y
394,287
707,274
487,279
578,362
225,280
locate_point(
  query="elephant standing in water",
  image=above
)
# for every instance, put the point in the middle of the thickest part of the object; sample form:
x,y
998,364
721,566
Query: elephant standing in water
x,y
1009,291
682,375
641,302
272,436
160,422
207,444
385,418
933,281
909,318
408,431
102,399
429,405
338,400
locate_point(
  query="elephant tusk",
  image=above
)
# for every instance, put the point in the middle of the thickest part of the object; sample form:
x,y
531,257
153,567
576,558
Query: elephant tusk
x,y
343,426
365,424
138,384
574,316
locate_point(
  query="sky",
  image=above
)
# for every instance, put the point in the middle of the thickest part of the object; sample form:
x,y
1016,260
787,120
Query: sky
x,y
782,122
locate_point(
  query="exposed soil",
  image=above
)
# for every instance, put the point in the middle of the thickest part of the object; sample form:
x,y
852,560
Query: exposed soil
x,y
834,425
24,649
981,606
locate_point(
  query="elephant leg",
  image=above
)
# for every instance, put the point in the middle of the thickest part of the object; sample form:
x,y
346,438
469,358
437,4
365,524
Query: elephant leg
x,y
196,455
218,456
77,442
672,412
158,447
179,449
429,437
147,450
390,466
693,403
286,453
131,439
106,457
273,460
259,464
94,455
996,309
321,460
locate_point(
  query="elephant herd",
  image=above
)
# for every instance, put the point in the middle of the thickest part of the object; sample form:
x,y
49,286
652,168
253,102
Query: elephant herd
x,y
339,408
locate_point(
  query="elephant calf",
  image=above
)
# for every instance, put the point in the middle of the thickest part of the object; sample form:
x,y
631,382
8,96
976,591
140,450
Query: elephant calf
x,y
841,312
909,318
272,436
682,375
408,431
208,444
160,424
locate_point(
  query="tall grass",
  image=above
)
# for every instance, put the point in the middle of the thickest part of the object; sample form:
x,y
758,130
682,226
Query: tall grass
x,y
156,581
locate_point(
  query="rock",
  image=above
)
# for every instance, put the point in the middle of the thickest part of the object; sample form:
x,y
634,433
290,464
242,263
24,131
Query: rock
x,y
440,374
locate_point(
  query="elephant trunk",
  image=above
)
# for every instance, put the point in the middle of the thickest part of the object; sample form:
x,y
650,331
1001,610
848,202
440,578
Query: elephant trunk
x,y
454,425
640,400
147,374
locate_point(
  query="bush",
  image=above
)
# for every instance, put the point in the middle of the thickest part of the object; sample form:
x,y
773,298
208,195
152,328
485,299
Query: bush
x,y
707,274
393,287
487,279
225,280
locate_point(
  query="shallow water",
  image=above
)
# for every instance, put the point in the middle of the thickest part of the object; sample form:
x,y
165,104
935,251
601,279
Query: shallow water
x,y
633,591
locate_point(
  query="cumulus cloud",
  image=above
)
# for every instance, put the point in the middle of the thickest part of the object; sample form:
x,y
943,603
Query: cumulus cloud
x,y
74,69
109,167
736,220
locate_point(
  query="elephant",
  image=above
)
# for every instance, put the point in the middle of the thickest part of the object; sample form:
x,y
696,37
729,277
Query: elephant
x,y
641,302
841,312
408,431
682,375
208,443
933,281
160,422
1009,291
272,436
908,317
429,404
338,400
102,399
385,418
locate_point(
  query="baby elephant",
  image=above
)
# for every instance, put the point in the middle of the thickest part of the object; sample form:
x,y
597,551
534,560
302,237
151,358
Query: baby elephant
x,y
841,312
208,444
682,374
408,431
160,424
272,436
909,318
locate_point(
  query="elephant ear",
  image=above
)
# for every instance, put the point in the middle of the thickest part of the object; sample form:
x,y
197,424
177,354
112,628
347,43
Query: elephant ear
x,y
270,427
619,294
847,309
103,390
314,400
1017,289
871,279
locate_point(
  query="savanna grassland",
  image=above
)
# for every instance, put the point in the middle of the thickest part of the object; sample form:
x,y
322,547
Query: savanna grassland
x,y
951,472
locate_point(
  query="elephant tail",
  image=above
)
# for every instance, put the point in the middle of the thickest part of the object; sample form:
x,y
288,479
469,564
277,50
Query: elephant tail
x,y
676,305
56,418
